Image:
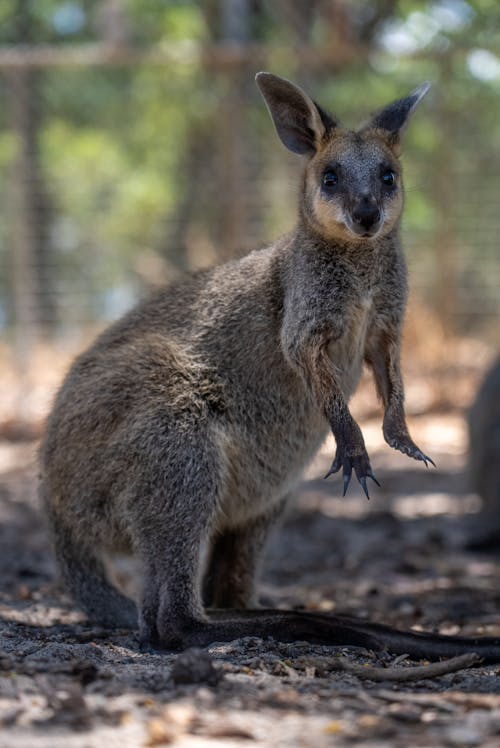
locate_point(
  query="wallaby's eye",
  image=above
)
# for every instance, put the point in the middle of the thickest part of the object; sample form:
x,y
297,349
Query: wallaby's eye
x,y
389,178
330,179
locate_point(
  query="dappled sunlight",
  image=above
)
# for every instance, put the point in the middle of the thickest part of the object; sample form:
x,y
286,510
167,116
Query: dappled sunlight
x,y
15,455
409,507
430,504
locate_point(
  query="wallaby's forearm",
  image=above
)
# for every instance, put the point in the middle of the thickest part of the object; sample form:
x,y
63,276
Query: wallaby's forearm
x,y
383,355
312,359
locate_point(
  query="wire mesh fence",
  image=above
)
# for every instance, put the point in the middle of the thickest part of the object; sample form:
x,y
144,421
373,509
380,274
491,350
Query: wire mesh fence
x,y
133,145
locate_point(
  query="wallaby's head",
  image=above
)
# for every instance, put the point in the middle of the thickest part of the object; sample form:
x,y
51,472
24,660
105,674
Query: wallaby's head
x,y
352,182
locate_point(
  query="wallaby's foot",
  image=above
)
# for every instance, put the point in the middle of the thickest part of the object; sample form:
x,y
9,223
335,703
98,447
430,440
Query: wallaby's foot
x,y
149,647
176,635
361,465
404,443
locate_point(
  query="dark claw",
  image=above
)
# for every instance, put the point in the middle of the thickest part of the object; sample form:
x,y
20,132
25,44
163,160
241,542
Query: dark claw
x,y
362,475
410,449
418,455
362,481
335,467
361,466
370,475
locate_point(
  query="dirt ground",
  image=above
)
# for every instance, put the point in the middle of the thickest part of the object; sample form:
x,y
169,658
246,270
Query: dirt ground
x,y
400,558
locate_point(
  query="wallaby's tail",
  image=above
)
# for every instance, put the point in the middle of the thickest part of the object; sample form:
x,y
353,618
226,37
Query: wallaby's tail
x,y
84,575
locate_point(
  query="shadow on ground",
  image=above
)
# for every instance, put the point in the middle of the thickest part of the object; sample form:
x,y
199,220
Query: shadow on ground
x,y
399,559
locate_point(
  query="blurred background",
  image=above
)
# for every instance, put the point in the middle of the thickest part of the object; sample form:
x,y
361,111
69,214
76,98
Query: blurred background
x,y
134,145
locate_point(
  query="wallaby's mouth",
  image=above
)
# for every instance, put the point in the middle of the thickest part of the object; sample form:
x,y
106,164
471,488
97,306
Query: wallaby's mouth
x,y
363,231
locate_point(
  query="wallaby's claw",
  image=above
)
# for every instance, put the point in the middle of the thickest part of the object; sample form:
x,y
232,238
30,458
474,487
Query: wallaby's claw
x,y
362,481
370,475
418,455
407,447
361,466
335,467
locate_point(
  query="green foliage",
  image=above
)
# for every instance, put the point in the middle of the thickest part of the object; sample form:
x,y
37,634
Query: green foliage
x,y
166,20
127,150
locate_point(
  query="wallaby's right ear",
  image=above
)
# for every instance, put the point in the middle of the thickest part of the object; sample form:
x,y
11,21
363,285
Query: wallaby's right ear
x,y
299,122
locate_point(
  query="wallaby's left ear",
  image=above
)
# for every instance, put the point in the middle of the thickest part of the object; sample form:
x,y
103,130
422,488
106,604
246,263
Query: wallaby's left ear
x,y
392,120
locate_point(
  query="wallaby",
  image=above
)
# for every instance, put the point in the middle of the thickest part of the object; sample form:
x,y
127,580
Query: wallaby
x,y
182,431
484,460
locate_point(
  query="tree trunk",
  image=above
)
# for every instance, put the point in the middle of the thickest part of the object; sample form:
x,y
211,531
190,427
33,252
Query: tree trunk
x,y
34,298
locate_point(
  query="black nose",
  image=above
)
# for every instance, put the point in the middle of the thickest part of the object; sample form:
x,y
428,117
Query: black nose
x,y
366,215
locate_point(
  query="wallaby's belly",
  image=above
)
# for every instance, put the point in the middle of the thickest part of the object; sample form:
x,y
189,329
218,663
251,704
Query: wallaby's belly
x,y
264,457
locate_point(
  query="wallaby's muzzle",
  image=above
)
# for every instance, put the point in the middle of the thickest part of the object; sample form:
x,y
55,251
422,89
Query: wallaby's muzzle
x,y
365,219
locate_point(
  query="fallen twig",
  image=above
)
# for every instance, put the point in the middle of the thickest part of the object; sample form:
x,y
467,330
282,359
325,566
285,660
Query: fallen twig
x,y
402,674
447,701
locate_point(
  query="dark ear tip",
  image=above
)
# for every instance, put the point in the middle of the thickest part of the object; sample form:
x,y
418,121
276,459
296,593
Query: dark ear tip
x,y
262,77
421,90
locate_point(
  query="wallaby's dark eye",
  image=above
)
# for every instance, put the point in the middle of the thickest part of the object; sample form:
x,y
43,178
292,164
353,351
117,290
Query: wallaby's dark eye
x,y
389,178
330,179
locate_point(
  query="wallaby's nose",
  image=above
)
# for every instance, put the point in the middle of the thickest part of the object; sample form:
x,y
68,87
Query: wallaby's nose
x,y
366,214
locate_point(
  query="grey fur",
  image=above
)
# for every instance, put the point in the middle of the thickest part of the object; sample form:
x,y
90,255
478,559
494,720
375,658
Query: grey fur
x,y
181,431
484,447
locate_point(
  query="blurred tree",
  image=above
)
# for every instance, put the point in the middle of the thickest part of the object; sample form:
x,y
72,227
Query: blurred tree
x,y
159,167
34,297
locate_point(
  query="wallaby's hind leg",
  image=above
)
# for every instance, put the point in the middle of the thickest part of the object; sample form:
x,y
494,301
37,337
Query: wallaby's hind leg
x,y
230,579
173,520
148,606
84,575
171,598
234,563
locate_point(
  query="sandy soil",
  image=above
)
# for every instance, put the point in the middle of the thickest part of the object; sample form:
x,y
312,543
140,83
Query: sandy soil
x,y
399,558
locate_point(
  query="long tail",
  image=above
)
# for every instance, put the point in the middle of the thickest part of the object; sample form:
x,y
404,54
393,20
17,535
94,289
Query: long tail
x,y
321,628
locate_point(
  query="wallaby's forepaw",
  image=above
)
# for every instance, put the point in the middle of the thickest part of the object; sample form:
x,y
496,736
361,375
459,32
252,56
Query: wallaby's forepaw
x,y
405,445
360,464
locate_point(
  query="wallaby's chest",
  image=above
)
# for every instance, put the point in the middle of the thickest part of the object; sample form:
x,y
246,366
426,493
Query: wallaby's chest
x,y
347,351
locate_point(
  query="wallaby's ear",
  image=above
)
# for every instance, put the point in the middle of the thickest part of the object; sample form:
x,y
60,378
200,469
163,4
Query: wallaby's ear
x,y
299,122
392,119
